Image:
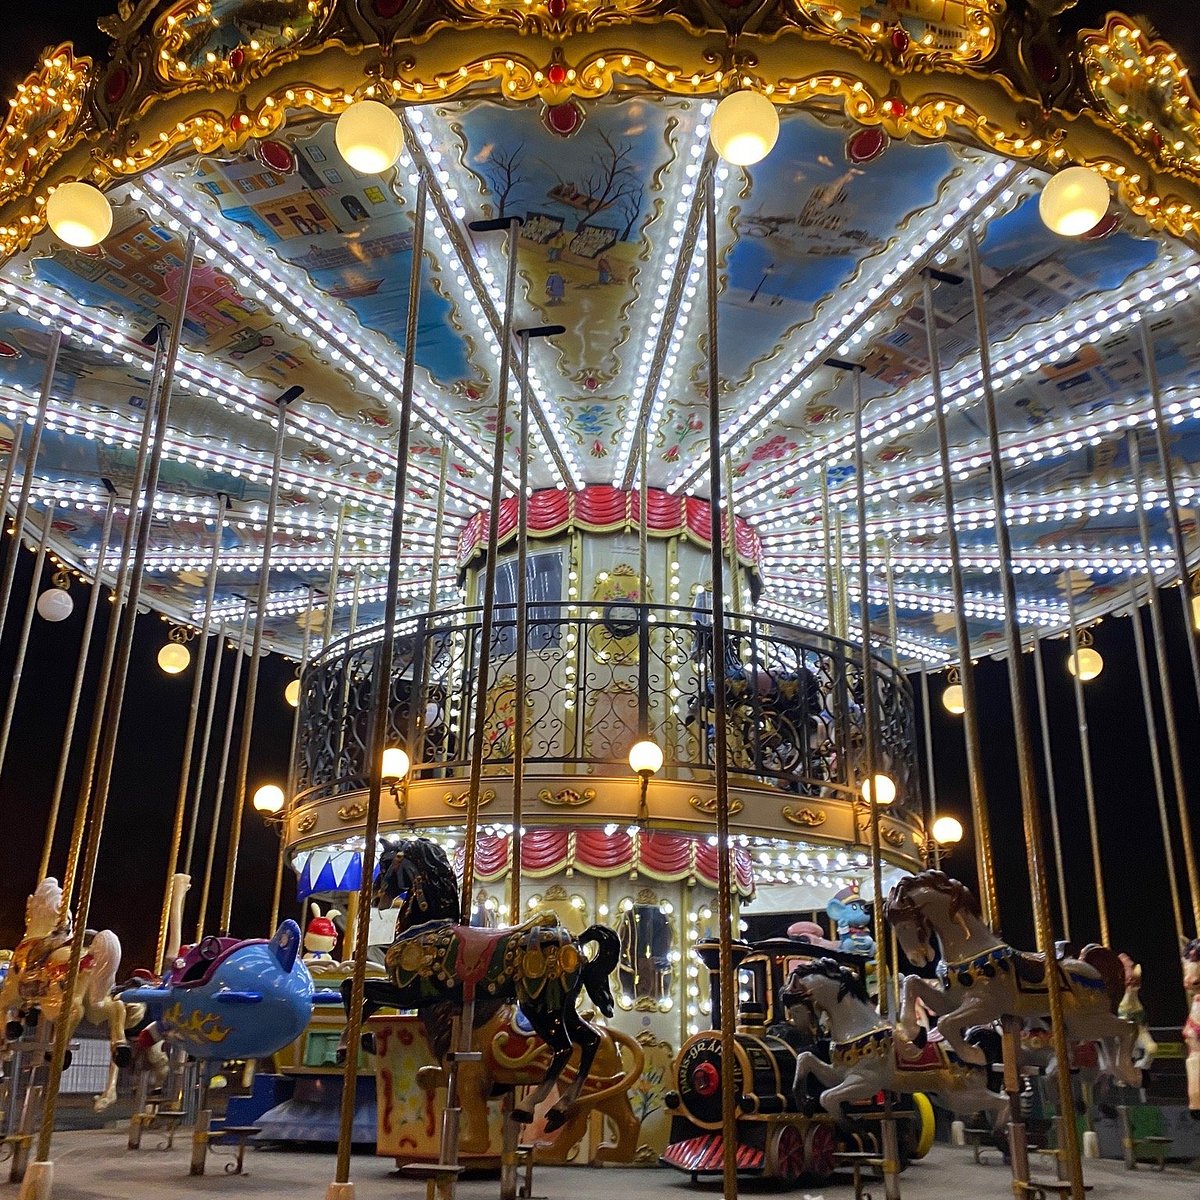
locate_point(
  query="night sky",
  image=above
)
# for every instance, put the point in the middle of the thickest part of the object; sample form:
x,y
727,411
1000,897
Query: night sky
x,y
133,857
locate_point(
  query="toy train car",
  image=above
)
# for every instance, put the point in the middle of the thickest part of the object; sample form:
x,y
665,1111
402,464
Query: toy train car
x,y
778,1134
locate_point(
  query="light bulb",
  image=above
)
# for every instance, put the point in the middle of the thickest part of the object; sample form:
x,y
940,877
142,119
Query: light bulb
x,y
1087,664
79,213
396,764
1074,201
291,693
55,604
369,136
269,799
744,128
952,699
884,790
174,658
947,831
645,758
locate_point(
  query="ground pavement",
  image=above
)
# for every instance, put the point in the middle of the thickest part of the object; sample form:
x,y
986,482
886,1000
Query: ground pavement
x,y
95,1165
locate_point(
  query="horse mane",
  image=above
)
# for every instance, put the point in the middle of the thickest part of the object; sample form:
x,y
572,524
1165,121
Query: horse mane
x,y
901,904
849,980
438,883
43,903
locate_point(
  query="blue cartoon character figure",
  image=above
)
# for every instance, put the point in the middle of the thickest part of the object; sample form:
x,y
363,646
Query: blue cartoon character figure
x,y
852,916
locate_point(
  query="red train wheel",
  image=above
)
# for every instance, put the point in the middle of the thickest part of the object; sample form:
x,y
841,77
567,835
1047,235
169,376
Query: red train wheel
x,y
786,1156
819,1147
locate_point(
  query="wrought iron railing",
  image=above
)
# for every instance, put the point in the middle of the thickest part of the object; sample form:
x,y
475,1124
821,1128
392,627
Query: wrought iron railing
x,y
596,675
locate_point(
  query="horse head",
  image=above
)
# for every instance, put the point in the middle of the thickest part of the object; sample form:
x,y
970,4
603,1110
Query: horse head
x,y
922,907
41,909
823,984
416,872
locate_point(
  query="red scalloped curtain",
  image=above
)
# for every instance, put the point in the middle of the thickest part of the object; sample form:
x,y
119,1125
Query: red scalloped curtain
x,y
600,507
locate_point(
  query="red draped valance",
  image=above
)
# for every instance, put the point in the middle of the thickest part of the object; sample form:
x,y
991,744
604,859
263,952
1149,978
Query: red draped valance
x,y
601,508
662,856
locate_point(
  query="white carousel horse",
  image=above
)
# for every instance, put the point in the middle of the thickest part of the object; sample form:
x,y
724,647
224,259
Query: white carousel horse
x,y
1145,1048
868,1057
34,985
981,978
1191,1028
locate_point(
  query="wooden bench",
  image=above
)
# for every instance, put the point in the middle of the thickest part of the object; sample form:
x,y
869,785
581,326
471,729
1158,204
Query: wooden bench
x,y
171,1120
242,1134
860,1162
1142,1147
434,1174
980,1140
1041,1189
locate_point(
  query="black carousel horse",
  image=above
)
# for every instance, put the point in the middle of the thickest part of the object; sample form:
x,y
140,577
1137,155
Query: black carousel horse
x,y
539,965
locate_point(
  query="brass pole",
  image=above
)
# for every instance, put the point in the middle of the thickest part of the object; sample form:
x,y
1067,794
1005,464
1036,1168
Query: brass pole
x,y
189,742
27,474
222,769
487,613
932,774
117,598
381,702
720,738
735,566
35,583
85,645
984,864
290,790
355,592
843,621
205,738
334,570
1031,811
1085,753
1177,539
643,521
827,547
890,580
1161,652
1039,679
248,706
521,631
439,527
1160,791
108,713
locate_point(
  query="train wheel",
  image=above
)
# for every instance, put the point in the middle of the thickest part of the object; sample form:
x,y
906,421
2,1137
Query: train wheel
x,y
819,1147
786,1154
923,1124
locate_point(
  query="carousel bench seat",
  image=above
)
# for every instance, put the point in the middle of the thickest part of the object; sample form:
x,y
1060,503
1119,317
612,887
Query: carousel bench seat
x,y
434,1174
1042,1189
864,1165
1140,1146
241,1135
980,1139
165,1121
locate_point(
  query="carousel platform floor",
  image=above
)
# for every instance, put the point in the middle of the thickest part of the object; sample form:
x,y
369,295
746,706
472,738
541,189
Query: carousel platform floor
x,y
95,1165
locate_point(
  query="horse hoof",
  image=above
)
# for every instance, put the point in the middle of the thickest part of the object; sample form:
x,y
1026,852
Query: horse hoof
x,y
367,1041
32,1017
66,1060
524,1116
13,1030
555,1119
122,1056
922,1036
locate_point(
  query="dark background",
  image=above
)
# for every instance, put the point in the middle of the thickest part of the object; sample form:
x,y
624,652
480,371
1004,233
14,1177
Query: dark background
x,y
133,858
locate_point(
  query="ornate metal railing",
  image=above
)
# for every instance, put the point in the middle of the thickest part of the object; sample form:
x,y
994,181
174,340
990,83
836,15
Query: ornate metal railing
x,y
596,676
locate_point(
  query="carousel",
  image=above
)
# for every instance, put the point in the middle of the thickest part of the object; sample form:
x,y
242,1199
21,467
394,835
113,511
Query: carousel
x,y
622,415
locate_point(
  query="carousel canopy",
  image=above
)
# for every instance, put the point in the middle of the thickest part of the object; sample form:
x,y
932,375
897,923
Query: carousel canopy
x,y
899,134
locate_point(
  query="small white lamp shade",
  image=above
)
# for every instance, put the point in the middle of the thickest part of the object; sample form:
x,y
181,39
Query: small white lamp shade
x,y
1087,664
55,604
291,693
174,658
369,136
952,699
745,128
395,764
884,791
79,214
646,758
947,831
269,799
1074,201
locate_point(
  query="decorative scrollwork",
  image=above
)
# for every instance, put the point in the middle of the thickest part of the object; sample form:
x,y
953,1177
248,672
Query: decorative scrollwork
x,y
708,805
567,798
354,811
892,836
809,818
458,800
306,822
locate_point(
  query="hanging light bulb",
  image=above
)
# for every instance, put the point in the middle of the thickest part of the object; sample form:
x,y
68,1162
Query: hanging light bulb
x,y
884,791
952,699
396,764
369,136
947,831
1087,663
1074,201
745,128
55,603
269,799
646,758
174,657
79,213
291,693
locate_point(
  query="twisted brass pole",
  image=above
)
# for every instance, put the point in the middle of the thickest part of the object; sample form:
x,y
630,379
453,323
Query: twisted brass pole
x,y
205,738
521,631
1039,678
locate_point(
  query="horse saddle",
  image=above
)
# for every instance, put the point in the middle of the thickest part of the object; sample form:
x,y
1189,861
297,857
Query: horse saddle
x,y
929,1057
1030,970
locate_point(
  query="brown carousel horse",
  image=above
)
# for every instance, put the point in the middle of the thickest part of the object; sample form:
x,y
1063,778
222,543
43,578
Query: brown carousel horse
x,y
980,978
539,966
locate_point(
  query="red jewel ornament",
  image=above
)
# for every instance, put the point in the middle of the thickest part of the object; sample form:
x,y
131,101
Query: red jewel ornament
x,y
706,1079
117,85
237,56
896,107
387,8
866,145
556,8
277,156
557,74
563,119
900,40
591,383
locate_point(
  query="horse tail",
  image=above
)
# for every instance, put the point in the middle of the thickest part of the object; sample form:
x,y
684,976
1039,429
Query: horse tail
x,y
597,970
1108,963
105,952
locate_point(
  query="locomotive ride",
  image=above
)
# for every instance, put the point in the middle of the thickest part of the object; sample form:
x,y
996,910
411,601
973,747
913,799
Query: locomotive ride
x,y
780,1135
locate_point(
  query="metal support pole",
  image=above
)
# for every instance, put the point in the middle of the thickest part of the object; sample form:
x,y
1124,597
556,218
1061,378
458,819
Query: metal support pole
x,y
439,527
108,714
222,769
1161,654
260,621
1031,811
984,864
827,549
487,615
334,570
35,583
1039,680
27,474
189,742
521,632
202,757
85,645
380,706
728,989
290,790
735,566
890,579
1160,791
932,774
1085,754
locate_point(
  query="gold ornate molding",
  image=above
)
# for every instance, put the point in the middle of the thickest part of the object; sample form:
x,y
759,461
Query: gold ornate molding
x,y
892,836
808,818
708,805
458,800
354,811
567,797
306,822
